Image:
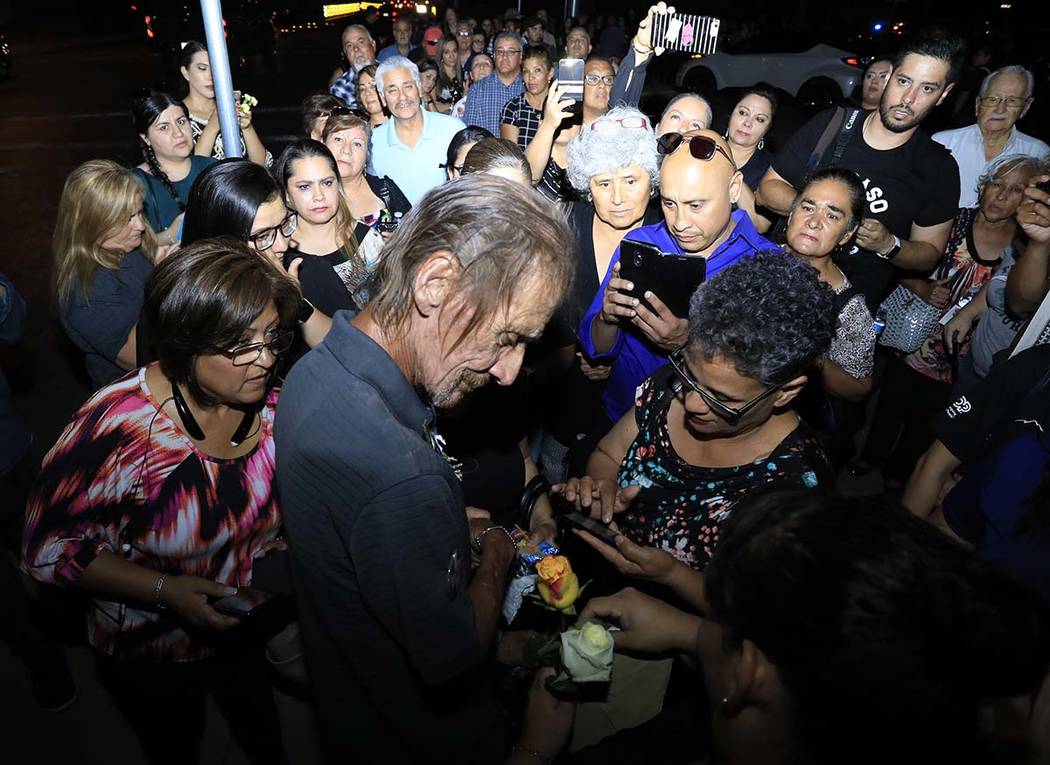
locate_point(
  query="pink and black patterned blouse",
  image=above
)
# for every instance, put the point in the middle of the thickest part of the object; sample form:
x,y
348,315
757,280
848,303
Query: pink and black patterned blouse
x,y
123,478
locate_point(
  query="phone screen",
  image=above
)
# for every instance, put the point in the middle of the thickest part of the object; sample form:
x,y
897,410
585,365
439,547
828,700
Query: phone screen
x,y
570,78
242,604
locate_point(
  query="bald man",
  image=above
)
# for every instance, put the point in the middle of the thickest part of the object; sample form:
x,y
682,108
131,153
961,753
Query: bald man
x,y
697,198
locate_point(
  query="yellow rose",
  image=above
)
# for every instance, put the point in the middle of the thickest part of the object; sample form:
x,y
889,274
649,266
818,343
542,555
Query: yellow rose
x,y
557,584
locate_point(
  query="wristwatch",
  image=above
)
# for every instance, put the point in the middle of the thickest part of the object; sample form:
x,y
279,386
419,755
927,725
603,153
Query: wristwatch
x,y
306,310
891,253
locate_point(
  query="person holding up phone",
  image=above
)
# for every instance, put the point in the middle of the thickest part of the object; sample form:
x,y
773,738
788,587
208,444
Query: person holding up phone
x,y
698,184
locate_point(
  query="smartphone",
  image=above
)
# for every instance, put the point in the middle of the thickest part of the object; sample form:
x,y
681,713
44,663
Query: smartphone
x,y
686,32
570,79
672,278
568,517
1044,186
243,604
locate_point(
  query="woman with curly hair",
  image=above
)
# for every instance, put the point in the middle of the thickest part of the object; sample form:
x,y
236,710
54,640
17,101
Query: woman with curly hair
x,y
718,422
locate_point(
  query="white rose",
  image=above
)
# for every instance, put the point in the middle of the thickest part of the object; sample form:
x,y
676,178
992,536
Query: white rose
x,y
587,652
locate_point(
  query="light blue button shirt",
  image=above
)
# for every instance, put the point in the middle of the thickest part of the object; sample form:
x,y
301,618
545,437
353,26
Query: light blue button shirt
x,y
415,169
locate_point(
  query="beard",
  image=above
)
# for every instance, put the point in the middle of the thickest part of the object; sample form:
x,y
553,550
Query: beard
x,y
895,126
453,393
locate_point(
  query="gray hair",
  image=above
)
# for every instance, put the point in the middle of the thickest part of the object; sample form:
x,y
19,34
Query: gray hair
x,y
506,36
363,28
503,235
683,96
594,152
396,62
1029,79
1007,163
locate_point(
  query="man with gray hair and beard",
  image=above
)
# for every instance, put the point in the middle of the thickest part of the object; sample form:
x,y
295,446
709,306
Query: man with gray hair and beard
x,y
395,623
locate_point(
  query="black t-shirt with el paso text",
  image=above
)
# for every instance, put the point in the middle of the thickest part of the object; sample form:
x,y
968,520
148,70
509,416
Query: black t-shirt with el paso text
x,y
917,183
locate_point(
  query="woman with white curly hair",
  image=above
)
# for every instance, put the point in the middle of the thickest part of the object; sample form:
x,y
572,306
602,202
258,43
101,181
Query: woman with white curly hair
x,y
613,164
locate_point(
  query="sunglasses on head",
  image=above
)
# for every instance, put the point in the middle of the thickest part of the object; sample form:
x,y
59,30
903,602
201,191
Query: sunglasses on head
x,y
700,146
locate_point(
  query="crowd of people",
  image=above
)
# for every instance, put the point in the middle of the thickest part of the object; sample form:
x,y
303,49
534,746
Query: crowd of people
x,y
334,388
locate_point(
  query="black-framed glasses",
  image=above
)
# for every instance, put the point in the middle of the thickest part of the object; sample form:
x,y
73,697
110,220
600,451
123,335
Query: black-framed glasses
x,y
243,355
730,414
700,146
264,239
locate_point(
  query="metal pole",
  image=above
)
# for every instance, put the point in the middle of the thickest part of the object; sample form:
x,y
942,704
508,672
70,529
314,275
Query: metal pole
x,y
211,11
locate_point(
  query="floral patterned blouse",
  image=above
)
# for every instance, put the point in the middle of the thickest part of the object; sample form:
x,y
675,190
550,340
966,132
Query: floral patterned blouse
x,y
681,507
124,479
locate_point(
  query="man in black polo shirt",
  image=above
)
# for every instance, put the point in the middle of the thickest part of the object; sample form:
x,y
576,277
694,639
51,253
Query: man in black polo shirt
x,y
395,623
909,178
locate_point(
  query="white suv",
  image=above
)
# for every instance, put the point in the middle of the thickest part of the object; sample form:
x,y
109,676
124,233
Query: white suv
x,y
817,75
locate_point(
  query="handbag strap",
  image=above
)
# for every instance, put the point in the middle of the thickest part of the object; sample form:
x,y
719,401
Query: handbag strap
x,y
835,125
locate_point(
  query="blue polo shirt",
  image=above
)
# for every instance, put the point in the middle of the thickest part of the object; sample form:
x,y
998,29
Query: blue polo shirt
x,y
634,357
417,169
486,100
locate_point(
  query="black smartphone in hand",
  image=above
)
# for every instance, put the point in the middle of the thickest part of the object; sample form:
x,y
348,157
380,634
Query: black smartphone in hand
x,y
568,517
671,277
243,604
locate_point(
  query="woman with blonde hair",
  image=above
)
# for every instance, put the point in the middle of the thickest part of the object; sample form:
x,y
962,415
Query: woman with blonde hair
x,y
103,250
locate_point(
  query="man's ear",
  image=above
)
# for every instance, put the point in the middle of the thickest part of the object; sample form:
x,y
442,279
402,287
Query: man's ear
x,y
944,95
744,673
734,186
434,281
789,391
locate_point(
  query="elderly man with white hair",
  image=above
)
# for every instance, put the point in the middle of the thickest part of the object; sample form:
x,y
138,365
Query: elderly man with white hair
x,y
411,147
1005,97
360,50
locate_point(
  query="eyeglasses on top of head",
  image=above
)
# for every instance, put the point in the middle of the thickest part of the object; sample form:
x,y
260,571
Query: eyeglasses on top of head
x,y
700,146
279,342
731,415
263,240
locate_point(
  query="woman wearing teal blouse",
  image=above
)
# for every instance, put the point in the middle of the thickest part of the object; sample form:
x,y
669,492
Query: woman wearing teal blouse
x,y
170,166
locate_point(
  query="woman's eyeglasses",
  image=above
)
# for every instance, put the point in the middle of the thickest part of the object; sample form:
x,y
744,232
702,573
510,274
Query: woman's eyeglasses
x,y
242,355
700,146
604,124
729,414
263,240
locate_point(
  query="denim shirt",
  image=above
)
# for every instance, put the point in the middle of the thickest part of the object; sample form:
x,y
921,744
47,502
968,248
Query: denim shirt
x,y
634,356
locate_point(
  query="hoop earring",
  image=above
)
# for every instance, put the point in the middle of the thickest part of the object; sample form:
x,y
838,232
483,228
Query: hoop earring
x,y
761,143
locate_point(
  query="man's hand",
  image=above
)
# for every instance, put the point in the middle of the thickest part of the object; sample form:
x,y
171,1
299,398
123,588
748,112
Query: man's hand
x,y
874,236
661,326
643,42
615,302
596,372
646,624
630,559
601,498
1034,212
